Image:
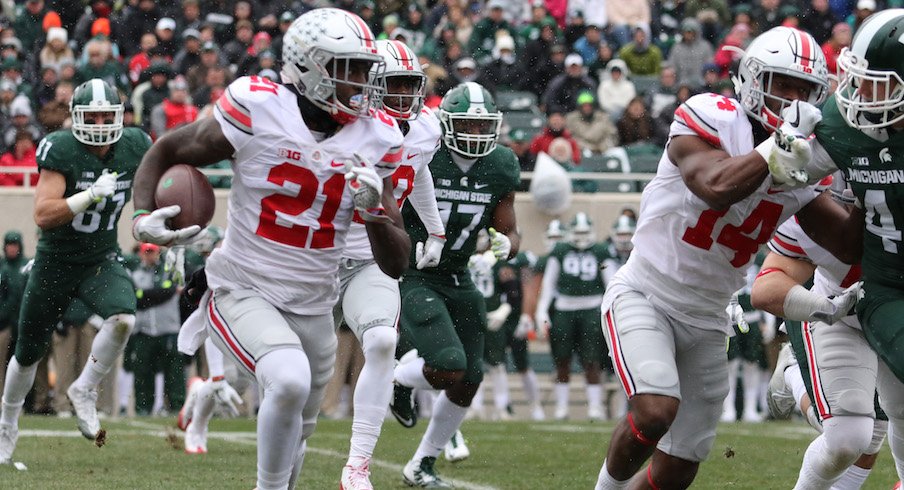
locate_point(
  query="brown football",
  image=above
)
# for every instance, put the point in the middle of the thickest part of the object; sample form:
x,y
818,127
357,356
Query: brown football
x,y
189,188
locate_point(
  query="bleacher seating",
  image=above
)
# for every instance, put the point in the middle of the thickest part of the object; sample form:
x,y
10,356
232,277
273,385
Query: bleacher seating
x,y
645,84
644,157
515,101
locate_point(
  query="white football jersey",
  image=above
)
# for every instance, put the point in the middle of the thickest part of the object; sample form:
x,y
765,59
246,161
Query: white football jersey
x,y
832,275
290,207
687,257
421,143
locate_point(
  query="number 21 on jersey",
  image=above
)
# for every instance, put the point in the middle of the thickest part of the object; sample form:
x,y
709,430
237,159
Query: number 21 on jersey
x,y
764,217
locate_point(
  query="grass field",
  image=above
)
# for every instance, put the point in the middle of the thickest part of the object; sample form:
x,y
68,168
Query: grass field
x,y
511,455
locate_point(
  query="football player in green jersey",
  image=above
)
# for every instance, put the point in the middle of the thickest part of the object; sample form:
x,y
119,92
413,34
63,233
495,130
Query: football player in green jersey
x,y
574,277
443,313
86,179
861,133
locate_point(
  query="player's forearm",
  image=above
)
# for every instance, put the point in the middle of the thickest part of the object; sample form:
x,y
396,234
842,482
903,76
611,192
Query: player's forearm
x,y
834,228
769,292
531,294
391,247
548,285
717,178
155,162
51,213
423,199
515,239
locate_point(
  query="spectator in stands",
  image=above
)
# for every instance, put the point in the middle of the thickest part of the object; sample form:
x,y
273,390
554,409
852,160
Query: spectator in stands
x,y
689,55
44,92
483,38
766,15
562,92
538,50
712,80
641,57
604,54
210,58
22,119
636,125
97,9
555,128
665,93
153,93
55,49
12,286
562,152
190,18
663,121
625,15
574,29
11,69
841,38
591,127
167,42
502,72
8,95
588,45
519,141
54,115
593,11
865,8
414,23
190,54
102,30
461,24
235,49
249,63
128,115
27,23
175,111
818,19
21,154
727,59
615,89
539,18
464,70
713,16
100,65
743,14
285,20
540,74
141,61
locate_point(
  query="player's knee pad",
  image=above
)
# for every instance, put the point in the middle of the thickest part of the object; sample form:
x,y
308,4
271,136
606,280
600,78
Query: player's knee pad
x,y
284,375
379,343
854,402
880,428
447,359
847,437
120,325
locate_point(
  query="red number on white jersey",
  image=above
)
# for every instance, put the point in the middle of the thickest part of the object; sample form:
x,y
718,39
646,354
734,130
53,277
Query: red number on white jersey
x,y
403,178
297,235
764,217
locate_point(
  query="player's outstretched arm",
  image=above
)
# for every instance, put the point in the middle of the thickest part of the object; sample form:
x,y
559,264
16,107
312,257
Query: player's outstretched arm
x,y
834,228
389,241
777,277
199,143
714,176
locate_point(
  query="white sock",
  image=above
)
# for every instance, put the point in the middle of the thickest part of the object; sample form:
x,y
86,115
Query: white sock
x,y
214,357
373,391
284,377
852,479
595,396
500,387
125,382
895,442
531,388
795,380
808,478
605,481
19,380
411,374
561,390
107,346
446,419
751,373
734,365
477,401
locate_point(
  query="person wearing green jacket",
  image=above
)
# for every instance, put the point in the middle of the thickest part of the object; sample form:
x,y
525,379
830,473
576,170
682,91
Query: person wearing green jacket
x,y
12,285
641,57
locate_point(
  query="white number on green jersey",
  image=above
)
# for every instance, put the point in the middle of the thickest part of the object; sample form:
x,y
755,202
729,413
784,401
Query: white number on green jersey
x,y
875,206
43,148
584,267
89,221
476,212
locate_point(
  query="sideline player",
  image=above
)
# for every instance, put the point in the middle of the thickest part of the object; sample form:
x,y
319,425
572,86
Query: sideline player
x,y
273,282
443,313
86,179
369,300
715,199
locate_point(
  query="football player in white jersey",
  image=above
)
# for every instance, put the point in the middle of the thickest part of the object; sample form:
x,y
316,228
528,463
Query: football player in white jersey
x,y
369,299
716,198
842,366
273,283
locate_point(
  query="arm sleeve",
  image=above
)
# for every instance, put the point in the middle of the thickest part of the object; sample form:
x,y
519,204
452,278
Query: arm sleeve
x,y
423,199
548,286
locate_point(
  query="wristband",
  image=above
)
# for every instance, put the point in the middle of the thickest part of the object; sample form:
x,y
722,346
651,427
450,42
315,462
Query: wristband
x,y
79,202
800,304
140,212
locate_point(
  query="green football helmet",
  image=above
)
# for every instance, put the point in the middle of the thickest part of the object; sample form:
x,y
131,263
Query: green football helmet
x,y
92,97
581,231
870,92
470,119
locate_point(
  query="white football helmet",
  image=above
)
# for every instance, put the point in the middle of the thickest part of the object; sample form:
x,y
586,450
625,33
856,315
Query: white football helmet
x,y
782,51
874,64
582,234
622,232
401,62
315,48
555,233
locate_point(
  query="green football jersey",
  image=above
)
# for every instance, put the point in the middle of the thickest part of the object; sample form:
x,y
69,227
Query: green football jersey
x,y
580,271
91,236
466,202
875,171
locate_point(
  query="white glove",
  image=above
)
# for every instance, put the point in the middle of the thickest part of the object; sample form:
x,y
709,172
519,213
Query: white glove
x,y
804,305
500,244
543,323
174,264
367,188
736,314
428,254
800,119
224,394
151,228
788,152
497,317
525,327
104,186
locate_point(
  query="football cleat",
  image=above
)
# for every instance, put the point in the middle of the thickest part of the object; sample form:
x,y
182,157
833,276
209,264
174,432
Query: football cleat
x,y
194,387
8,437
422,474
778,396
356,477
84,403
561,413
402,405
595,413
195,439
456,450
537,414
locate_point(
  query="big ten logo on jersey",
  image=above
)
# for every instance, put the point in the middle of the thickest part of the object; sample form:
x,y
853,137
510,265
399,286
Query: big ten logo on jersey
x,y
582,265
290,154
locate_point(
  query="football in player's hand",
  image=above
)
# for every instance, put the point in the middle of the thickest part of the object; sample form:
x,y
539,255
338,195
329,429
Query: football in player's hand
x,y
189,188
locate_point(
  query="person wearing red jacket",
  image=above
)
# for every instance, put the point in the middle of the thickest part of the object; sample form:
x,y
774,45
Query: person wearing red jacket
x,y
22,154
555,128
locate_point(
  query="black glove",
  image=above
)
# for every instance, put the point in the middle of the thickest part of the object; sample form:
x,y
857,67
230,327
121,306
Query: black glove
x,y
196,287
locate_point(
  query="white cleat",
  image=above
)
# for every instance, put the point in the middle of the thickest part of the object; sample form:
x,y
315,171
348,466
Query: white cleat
x,y
195,439
537,413
752,416
561,413
779,396
356,477
185,413
595,414
8,437
84,403
729,415
423,474
456,450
